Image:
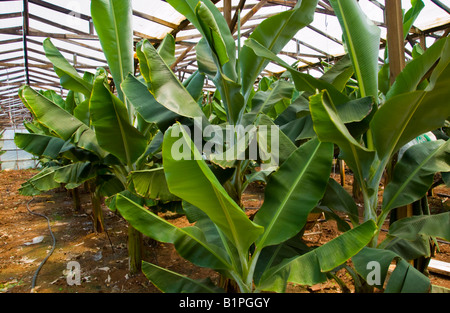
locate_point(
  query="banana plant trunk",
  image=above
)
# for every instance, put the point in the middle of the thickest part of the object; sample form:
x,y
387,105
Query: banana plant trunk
x,y
134,250
75,192
97,213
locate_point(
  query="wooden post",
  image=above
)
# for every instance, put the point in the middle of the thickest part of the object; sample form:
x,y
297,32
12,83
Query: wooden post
x,y
227,11
25,31
342,172
396,45
396,52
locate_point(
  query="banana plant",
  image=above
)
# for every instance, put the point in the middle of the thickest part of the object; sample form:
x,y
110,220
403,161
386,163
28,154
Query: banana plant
x,y
92,120
266,253
413,105
262,254
406,113
234,75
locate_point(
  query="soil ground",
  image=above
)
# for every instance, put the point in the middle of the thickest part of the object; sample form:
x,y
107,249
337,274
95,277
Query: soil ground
x,y
103,257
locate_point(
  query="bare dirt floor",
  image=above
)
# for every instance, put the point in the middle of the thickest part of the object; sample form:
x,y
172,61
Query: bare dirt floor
x,y
25,241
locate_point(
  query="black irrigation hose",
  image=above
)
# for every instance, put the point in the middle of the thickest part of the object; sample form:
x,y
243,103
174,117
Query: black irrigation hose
x,y
33,282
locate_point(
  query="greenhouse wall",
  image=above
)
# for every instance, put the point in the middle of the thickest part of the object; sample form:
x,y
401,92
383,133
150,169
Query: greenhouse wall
x,y
14,158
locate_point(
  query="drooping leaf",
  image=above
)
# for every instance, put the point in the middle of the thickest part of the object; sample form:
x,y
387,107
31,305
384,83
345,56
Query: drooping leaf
x,y
171,282
405,277
146,105
75,174
302,81
42,181
338,199
330,128
152,184
39,145
264,101
69,77
409,228
189,241
165,86
65,125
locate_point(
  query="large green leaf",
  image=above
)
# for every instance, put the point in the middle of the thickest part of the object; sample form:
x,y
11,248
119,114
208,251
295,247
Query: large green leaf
x,y
416,112
113,24
60,121
338,199
362,39
293,191
264,101
39,145
42,181
73,175
171,282
152,184
203,190
273,33
414,173
415,70
302,81
165,86
112,127
339,74
409,228
189,241
411,15
166,49
212,34
330,128
310,268
405,278
146,105
69,77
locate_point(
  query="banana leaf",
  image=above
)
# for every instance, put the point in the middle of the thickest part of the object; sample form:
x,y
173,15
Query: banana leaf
x,y
65,125
152,184
203,190
273,34
69,77
293,191
417,111
165,86
310,268
170,282
112,128
39,145
405,278
113,24
189,241
414,173
362,39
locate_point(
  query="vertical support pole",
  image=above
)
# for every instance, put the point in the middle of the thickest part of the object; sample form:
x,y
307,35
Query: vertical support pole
x,y
342,172
25,29
396,52
396,46
227,11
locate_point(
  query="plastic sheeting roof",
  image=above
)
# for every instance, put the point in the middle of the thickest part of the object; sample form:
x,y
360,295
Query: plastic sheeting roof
x,y
69,25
